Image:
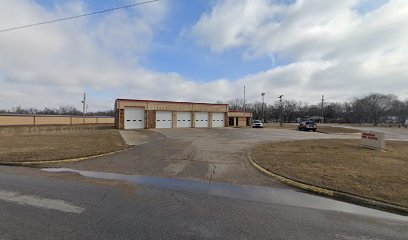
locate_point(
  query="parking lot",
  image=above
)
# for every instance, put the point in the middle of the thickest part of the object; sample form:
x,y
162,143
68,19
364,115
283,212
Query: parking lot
x,y
214,155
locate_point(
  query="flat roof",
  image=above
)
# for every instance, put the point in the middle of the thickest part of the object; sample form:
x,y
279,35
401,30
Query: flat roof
x,y
50,115
160,101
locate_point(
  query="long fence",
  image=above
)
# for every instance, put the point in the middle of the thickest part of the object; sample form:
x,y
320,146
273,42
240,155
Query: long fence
x,y
33,120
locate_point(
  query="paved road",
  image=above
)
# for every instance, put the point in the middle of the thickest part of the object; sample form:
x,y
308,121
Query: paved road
x,y
41,205
214,155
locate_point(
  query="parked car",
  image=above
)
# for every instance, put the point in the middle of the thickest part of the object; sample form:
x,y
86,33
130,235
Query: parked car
x,y
257,124
307,126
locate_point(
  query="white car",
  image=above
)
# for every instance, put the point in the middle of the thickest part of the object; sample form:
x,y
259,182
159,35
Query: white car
x,y
257,124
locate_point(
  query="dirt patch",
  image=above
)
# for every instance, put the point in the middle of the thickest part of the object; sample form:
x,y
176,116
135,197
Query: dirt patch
x,y
57,142
341,165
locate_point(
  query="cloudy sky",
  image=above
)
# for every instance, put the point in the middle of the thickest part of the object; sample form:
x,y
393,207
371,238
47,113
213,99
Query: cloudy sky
x,y
201,50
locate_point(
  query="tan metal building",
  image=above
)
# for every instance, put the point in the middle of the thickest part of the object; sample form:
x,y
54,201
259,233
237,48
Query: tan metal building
x,y
134,114
239,119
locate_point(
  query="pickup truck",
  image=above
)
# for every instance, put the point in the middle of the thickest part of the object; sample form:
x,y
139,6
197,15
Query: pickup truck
x,y
307,126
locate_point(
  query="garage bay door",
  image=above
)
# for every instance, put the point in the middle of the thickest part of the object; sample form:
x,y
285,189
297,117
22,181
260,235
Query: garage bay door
x,y
218,120
184,119
134,118
164,119
202,120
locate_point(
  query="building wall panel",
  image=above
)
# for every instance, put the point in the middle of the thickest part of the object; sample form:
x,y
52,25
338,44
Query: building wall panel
x,y
16,120
91,120
77,120
52,120
241,121
103,120
7,120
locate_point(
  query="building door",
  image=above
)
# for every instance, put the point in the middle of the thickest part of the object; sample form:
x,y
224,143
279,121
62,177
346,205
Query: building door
x,y
218,120
164,119
134,118
231,122
184,119
248,121
202,120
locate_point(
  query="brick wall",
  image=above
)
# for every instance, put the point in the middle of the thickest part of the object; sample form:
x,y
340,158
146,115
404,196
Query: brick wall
x,y
151,119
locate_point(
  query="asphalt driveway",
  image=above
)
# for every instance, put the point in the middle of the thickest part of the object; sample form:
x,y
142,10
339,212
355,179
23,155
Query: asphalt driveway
x,y
213,155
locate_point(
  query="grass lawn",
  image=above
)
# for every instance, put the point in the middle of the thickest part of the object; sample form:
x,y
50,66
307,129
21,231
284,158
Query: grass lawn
x,y
57,142
341,165
334,130
291,126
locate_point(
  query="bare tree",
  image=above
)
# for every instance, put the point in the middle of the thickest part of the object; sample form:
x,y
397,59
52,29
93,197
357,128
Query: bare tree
x,y
400,110
378,105
68,110
290,110
236,104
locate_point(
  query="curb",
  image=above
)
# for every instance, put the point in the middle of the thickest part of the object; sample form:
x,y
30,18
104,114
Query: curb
x,y
347,197
34,163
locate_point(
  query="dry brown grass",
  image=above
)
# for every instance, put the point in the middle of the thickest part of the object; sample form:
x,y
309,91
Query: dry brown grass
x,y
57,142
320,128
291,126
335,130
341,165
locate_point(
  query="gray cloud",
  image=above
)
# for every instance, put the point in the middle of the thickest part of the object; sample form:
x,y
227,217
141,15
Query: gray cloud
x,y
365,52
335,50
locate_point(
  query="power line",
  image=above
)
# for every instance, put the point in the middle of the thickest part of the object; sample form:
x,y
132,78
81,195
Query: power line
x,y
77,16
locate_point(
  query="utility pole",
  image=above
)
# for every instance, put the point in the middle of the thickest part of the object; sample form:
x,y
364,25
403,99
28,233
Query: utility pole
x,y
263,113
322,108
83,108
84,105
281,111
244,107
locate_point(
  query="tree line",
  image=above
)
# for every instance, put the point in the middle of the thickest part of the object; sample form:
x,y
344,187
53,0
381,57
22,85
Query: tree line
x,y
62,110
373,108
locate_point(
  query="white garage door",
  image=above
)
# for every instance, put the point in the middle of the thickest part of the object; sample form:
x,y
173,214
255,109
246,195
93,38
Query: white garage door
x,y
134,118
218,120
202,120
184,119
164,119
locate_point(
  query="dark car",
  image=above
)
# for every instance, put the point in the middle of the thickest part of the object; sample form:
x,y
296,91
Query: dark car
x,y
307,126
